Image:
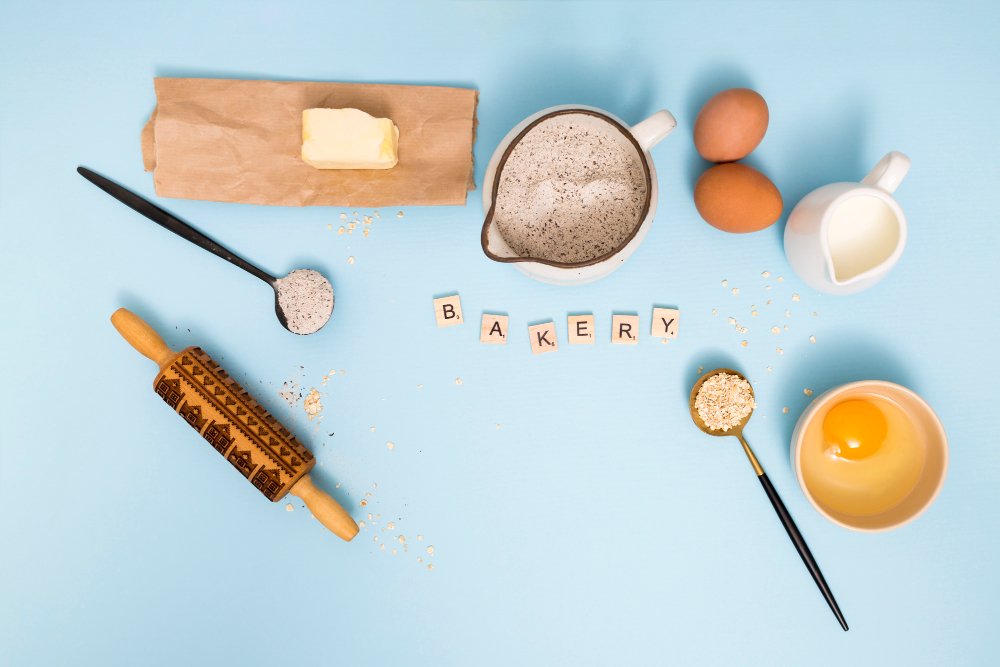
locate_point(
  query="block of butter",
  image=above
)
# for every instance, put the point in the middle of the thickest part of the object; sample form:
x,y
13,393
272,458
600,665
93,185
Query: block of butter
x,y
348,139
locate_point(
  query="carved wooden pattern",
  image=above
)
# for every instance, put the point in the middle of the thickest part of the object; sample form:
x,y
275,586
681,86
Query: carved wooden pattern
x,y
233,423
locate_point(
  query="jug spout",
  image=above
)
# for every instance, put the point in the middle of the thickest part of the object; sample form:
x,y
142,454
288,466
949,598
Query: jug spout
x,y
494,244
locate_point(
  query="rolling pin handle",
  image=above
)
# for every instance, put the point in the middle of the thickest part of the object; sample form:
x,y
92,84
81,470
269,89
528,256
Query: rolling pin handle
x,y
142,337
326,510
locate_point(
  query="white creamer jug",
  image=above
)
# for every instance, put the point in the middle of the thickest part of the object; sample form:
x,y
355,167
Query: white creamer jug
x,y
843,238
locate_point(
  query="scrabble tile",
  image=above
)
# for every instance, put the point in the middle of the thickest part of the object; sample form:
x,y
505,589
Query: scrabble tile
x,y
493,330
665,322
581,329
543,338
448,311
624,329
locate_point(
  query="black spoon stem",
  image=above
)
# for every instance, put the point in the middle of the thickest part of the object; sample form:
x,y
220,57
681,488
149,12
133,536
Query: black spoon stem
x,y
793,533
173,223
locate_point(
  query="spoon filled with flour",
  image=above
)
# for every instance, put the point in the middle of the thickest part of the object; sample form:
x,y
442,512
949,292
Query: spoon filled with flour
x,y
303,300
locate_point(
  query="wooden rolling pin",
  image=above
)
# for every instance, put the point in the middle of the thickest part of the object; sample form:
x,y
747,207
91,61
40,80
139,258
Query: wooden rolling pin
x,y
233,423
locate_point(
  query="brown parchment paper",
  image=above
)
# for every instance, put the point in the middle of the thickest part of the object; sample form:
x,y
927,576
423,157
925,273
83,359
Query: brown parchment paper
x,y
239,141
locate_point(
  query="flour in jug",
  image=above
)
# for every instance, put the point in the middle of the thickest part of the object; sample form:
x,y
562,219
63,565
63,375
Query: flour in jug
x,y
572,189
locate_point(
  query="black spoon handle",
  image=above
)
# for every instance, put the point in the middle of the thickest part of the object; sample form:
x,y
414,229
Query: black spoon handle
x,y
174,224
800,544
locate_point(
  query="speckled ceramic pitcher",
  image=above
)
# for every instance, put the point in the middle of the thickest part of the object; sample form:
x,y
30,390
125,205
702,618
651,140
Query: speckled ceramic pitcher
x,y
639,139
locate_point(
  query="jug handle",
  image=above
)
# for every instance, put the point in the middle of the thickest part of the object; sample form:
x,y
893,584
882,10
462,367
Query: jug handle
x,y
889,172
654,129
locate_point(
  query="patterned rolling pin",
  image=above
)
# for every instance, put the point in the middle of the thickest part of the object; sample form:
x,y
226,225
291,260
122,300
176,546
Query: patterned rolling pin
x,y
233,423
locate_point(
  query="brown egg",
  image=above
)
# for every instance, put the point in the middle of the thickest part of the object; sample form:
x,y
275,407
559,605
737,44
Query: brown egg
x,y
736,198
730,125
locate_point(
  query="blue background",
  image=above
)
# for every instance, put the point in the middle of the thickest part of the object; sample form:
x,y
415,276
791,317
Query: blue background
x,y
596,526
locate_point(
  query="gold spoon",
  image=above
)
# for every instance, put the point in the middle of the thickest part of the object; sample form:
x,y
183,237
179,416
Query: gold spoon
x,y
779,507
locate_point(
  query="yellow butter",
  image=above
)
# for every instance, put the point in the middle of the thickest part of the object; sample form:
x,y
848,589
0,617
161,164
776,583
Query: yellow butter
x,y
348,139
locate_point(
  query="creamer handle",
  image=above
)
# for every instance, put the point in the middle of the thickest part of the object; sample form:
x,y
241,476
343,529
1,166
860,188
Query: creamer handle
x,y
654,129
889,172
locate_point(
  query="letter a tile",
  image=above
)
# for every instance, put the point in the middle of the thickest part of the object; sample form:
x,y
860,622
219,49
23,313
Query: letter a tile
x,y
493,330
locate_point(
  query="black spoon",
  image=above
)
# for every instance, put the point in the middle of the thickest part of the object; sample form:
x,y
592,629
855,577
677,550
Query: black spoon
x,y
303,300
779,507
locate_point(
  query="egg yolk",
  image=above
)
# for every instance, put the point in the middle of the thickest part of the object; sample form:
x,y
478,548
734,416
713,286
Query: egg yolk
x,y
854,429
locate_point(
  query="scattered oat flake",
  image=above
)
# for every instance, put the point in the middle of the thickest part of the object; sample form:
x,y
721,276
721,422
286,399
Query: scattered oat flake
x,y
741,329
289,507
796,297
498,427
352,225
366,232
430,566
350,260
807,391
381,547
329,226
788,313
770,301
399,214
780,279
420,559
363,503
812,339
786,327
815,313
735,291
312,404
784,410
744,343
715,311
343,216
390,445
725,283
430,550
779,350
732,321
420,538
361,524
769,369
700,369
765,274
420,386
458,381
401,539
776,330
390,526
377,215
767,287
754,313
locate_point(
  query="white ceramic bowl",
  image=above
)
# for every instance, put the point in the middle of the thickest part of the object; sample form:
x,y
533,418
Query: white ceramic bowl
x,y
931,478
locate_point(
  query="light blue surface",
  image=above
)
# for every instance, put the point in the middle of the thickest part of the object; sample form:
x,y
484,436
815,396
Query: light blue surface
x,y
596,525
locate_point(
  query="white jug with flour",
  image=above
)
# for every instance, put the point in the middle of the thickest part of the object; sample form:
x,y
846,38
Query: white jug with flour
x,y
843,238
571,192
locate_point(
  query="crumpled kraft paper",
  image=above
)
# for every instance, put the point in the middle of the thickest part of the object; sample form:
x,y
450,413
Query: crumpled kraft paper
x,y
239,141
